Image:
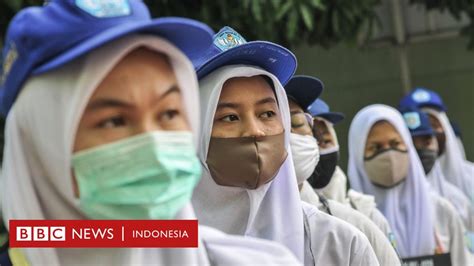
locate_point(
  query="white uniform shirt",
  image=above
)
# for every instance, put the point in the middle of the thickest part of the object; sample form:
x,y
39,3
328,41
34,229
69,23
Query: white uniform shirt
x,y
450,232
383,249
330,241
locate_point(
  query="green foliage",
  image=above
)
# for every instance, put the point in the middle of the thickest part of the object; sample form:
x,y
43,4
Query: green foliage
x,y
457,8
288,22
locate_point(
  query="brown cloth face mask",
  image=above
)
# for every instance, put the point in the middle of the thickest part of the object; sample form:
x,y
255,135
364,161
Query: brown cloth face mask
x,y
246,162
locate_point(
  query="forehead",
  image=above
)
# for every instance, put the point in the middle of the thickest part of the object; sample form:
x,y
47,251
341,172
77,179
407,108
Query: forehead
x,y
294,107
434,119
383,131
245,89
148,62
320,124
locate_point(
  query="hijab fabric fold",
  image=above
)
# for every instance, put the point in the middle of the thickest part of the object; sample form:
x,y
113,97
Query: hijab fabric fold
x,y
273,211
407,207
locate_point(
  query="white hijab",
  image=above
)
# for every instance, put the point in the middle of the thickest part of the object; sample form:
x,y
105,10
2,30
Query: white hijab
x,y
336,189
453,194
271,212
407,207
40,133
455,168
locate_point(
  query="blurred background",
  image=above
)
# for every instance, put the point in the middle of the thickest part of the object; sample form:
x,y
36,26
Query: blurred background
x,y
365,51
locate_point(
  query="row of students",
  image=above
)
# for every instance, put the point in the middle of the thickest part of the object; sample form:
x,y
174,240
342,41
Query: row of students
x,y
114,115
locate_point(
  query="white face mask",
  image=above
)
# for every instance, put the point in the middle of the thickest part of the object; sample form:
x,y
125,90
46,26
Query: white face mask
x,y
305,151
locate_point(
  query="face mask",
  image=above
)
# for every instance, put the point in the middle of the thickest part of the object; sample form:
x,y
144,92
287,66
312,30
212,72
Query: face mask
x,y
441,138
305,151
246,162
387,168
149,176
428,158
325,169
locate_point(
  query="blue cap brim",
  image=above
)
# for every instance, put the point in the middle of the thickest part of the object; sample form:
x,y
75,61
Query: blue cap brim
x,y
271,57
190,36
421,133
333,117
304,90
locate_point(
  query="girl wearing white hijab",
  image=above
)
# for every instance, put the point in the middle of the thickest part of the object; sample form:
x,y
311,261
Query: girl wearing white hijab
x,y
329,171
302,91
427,148
453,165
455,168
384,163
44,127
269,209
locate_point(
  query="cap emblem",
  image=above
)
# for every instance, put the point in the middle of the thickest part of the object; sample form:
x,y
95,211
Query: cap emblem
x,y
105,8
228,38
412,119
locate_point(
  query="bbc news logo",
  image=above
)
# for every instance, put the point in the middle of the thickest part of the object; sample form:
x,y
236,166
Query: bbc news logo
x,y
103,233
40,233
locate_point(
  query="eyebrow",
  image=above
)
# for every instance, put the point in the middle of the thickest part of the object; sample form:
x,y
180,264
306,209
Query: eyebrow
x,y
118,103
228,105
108,103
266,100
237,105
296,112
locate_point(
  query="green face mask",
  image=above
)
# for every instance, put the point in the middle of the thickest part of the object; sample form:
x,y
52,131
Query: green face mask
x,y
148,176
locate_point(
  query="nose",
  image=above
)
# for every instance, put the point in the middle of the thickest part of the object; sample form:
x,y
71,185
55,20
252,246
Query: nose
x,y
146,125
386,146
439,130
252,128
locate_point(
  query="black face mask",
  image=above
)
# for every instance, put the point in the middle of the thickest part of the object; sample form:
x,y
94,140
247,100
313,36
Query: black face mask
x,y
324,170
428,158
441,138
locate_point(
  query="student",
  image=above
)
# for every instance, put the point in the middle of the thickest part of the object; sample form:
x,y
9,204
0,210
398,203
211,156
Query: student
x,y
455,168
301,92
424,140
4,258
384,163
249,185
458,134
328,179
108,98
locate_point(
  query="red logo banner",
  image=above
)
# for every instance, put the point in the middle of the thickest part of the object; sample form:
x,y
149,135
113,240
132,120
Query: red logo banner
x,y
103,233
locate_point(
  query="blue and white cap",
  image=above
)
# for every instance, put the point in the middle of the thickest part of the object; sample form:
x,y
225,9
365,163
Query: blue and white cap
x,y
304,90
417,121
422,97
321,109
230,48
40,39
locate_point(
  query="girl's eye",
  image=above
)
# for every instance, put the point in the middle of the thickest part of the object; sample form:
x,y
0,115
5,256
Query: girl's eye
x,y
296,125
230,118
113,122
395,144
169,115
268,114
376,147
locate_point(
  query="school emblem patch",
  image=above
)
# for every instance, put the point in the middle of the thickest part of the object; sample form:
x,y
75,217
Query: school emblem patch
x,y
393,240
105,8
228,38
9,60
421,96
412,119
469,238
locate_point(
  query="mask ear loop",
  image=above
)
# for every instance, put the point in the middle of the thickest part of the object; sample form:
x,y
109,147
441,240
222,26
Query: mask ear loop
x,y
309,118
